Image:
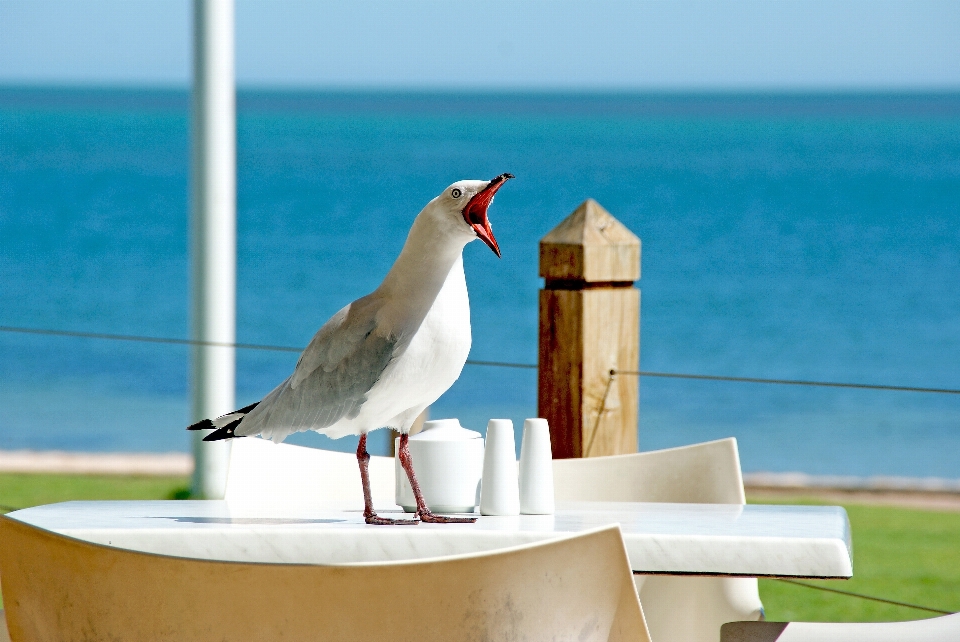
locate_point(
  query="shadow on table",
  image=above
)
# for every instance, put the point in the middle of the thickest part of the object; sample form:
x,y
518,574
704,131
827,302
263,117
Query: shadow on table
x,y
249,521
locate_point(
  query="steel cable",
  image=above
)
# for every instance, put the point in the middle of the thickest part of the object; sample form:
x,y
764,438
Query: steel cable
x,y
476,362
865,597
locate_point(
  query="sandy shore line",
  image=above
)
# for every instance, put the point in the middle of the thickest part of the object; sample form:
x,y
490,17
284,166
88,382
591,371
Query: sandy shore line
x,y
925,500
880,483
56,461
930,493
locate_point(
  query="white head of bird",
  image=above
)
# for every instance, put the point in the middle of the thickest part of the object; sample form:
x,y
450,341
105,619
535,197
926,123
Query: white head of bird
x,y
457,216
461,209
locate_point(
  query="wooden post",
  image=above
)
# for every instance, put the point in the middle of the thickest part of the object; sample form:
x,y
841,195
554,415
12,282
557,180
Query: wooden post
x,y
589,325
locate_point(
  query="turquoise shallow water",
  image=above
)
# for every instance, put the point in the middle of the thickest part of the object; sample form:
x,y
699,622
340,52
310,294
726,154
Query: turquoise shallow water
x,y
802,237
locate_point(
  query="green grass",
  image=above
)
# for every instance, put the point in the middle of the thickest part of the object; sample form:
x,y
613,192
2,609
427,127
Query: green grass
x,y
25,490
900,554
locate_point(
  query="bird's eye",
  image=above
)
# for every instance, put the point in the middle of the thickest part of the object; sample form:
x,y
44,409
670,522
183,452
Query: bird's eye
x,y
456,193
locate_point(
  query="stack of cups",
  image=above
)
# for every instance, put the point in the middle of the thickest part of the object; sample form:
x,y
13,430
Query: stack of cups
x,y
503,491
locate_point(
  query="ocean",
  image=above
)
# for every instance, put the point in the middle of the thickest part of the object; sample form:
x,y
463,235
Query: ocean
x,y
784,236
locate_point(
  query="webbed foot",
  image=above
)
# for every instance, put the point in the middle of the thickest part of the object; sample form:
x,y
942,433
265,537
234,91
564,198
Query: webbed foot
x,y
431,518
386,521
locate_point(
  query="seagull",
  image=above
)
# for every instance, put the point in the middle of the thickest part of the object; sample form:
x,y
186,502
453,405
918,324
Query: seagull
x,y
383,359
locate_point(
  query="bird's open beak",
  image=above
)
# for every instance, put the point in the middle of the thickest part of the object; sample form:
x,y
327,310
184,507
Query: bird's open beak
x,y
475,213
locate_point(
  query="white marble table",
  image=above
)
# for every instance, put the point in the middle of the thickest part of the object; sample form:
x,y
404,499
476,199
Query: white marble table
x,y
706,539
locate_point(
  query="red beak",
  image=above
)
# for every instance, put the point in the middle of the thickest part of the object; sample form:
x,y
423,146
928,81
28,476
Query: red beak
x,y
475,213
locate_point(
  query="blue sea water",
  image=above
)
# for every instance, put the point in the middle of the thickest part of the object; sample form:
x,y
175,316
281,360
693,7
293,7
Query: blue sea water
x,y
799,237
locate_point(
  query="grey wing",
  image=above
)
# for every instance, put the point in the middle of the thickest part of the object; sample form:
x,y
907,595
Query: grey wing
x,y
342,363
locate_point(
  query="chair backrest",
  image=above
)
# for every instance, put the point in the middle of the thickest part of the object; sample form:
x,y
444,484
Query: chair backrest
x,y
60,588
707,473
261,470
678,609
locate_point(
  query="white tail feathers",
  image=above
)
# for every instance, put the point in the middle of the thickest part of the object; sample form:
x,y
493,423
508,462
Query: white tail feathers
x,y
223,420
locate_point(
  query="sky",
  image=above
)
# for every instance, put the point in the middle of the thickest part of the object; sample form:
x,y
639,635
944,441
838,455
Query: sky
x,y
517,44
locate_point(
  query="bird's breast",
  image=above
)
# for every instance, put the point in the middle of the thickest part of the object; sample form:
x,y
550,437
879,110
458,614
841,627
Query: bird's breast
x,y
429,364
445,331
439,348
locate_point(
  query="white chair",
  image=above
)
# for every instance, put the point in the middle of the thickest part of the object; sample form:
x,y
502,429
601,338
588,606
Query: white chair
x,y
58,588
262,471
937,629
678,609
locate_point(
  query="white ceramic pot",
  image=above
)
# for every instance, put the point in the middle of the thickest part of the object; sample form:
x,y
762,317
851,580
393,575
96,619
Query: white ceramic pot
x,y
448,462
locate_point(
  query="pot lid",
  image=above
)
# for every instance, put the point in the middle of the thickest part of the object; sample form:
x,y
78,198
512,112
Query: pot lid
x,y
444,430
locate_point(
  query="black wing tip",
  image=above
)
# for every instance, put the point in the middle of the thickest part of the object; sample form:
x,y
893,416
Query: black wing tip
x,y
207,424
219,435
203,424
227,432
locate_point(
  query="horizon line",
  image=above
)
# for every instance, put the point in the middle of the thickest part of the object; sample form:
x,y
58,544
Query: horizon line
x,y
546,90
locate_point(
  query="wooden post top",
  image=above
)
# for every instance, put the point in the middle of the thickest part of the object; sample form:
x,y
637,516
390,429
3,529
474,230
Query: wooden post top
x,y
589,248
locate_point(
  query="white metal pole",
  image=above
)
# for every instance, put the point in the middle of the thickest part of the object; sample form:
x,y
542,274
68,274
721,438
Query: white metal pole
x,y
213,230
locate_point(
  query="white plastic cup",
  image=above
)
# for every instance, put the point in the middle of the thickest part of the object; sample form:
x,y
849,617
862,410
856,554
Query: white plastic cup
x,y
499,489
536,469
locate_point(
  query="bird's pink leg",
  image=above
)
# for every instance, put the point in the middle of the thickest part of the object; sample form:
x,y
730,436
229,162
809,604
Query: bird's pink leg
x,y
422,511
371,517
